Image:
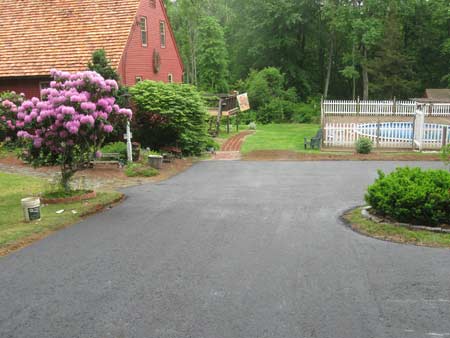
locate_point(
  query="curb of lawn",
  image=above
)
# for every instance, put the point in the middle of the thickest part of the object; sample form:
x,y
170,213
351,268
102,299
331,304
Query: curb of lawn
x,y
390,232
26,241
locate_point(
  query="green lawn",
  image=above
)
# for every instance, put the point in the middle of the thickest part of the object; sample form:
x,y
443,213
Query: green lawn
x,y
394,233
13,229
280,137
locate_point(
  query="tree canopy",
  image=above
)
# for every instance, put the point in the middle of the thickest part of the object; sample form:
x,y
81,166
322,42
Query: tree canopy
x,y
337,48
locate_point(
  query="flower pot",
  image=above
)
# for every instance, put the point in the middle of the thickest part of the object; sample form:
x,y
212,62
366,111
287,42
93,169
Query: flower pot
x,y
155,161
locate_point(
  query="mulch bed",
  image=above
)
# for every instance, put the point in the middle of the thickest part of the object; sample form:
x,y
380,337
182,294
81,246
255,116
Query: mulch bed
x,y
88,195
287,155
109,176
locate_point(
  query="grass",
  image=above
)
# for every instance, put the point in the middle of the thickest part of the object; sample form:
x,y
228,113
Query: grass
x,y
394,233
64,194
14,232
280,137
140,170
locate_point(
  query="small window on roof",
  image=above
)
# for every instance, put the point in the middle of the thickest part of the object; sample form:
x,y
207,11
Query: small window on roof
x,y
162,33
170,78
144,33
138,79
152,3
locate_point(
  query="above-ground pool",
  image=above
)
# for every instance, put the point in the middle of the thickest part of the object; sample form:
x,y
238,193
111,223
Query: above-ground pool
x,y
402,131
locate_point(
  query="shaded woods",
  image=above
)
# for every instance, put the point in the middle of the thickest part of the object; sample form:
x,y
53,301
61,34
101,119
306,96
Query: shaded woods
x,y
373,49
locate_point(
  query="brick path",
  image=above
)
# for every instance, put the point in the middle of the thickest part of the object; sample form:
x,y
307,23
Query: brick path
x,y
230,150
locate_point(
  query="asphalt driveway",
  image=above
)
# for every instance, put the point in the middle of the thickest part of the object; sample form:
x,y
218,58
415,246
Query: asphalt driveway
x,y
229,250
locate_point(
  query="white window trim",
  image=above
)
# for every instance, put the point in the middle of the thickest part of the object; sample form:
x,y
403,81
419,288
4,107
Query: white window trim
x,y
161,33
138,79
170,78
144,19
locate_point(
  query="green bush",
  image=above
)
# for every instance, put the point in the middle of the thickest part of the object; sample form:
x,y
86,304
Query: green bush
x,y
412,195
445,155
266,85
247,117
308,112
139,169
116,147
211,144
364,145
170,115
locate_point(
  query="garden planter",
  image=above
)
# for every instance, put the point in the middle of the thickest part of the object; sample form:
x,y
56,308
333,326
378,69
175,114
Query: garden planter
x,y
31,208
155,161
88,195
136,151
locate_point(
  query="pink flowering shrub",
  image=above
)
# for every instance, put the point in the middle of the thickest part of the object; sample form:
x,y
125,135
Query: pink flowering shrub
x,y
68,125
8,111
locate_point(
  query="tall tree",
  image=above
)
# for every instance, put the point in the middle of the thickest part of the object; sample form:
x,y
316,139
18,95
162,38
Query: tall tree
x,y
212,56
391,69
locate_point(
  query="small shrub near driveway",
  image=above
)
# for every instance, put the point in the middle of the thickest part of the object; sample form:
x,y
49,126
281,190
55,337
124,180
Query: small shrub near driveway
x,y
139,169
169,114
445,155
364,145
412,195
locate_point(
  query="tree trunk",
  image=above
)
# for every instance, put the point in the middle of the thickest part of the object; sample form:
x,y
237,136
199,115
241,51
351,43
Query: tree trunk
x,y
365,76
66,175
330,62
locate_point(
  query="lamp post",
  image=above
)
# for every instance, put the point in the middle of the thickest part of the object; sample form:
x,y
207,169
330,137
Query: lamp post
x,y
128,136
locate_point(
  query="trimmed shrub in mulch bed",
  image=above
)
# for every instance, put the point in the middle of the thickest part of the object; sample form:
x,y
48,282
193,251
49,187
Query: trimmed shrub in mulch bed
x,y
67,197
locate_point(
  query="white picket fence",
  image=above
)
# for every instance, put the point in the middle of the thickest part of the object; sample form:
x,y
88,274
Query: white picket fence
x,y
377,108
388,135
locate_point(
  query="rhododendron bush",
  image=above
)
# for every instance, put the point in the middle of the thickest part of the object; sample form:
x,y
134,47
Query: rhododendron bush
x,y
68,125
8,113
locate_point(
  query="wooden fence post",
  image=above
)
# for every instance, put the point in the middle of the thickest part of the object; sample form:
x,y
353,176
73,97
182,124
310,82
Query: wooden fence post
x,y
219,117
378,132
322,112
394,106
358,106
444,135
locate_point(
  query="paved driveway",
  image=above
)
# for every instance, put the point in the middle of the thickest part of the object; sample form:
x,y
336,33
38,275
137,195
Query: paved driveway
x,y
229,250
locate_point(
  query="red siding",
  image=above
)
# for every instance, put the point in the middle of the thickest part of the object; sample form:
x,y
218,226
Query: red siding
x,y
28,86
137,61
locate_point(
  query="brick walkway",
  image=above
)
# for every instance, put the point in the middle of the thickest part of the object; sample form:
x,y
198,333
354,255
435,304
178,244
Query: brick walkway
x,y
230,150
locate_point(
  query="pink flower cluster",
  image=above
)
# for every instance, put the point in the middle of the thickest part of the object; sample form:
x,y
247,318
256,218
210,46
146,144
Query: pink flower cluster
x,y
75,109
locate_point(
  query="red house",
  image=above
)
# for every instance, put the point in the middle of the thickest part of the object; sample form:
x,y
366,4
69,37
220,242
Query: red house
x,y
37,35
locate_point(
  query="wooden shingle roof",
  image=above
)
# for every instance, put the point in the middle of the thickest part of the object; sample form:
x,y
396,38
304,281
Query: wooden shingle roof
x,y
37,35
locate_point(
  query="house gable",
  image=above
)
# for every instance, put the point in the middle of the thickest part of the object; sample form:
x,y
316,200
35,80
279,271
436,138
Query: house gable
x,y
137,61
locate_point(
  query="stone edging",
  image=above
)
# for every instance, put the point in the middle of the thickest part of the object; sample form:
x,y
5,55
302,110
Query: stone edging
x,y
366,214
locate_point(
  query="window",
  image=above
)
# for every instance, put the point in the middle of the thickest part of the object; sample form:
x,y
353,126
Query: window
x,y
162,33
43,85
170,78
144,34
152,3
138,79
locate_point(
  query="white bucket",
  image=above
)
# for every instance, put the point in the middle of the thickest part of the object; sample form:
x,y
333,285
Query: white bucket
x,y
31,208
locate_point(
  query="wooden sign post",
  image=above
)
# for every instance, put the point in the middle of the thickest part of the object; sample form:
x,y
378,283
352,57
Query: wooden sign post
x,y
128,136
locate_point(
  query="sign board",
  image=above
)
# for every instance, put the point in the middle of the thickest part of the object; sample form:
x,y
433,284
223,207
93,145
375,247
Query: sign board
x,y
34,213
243,102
